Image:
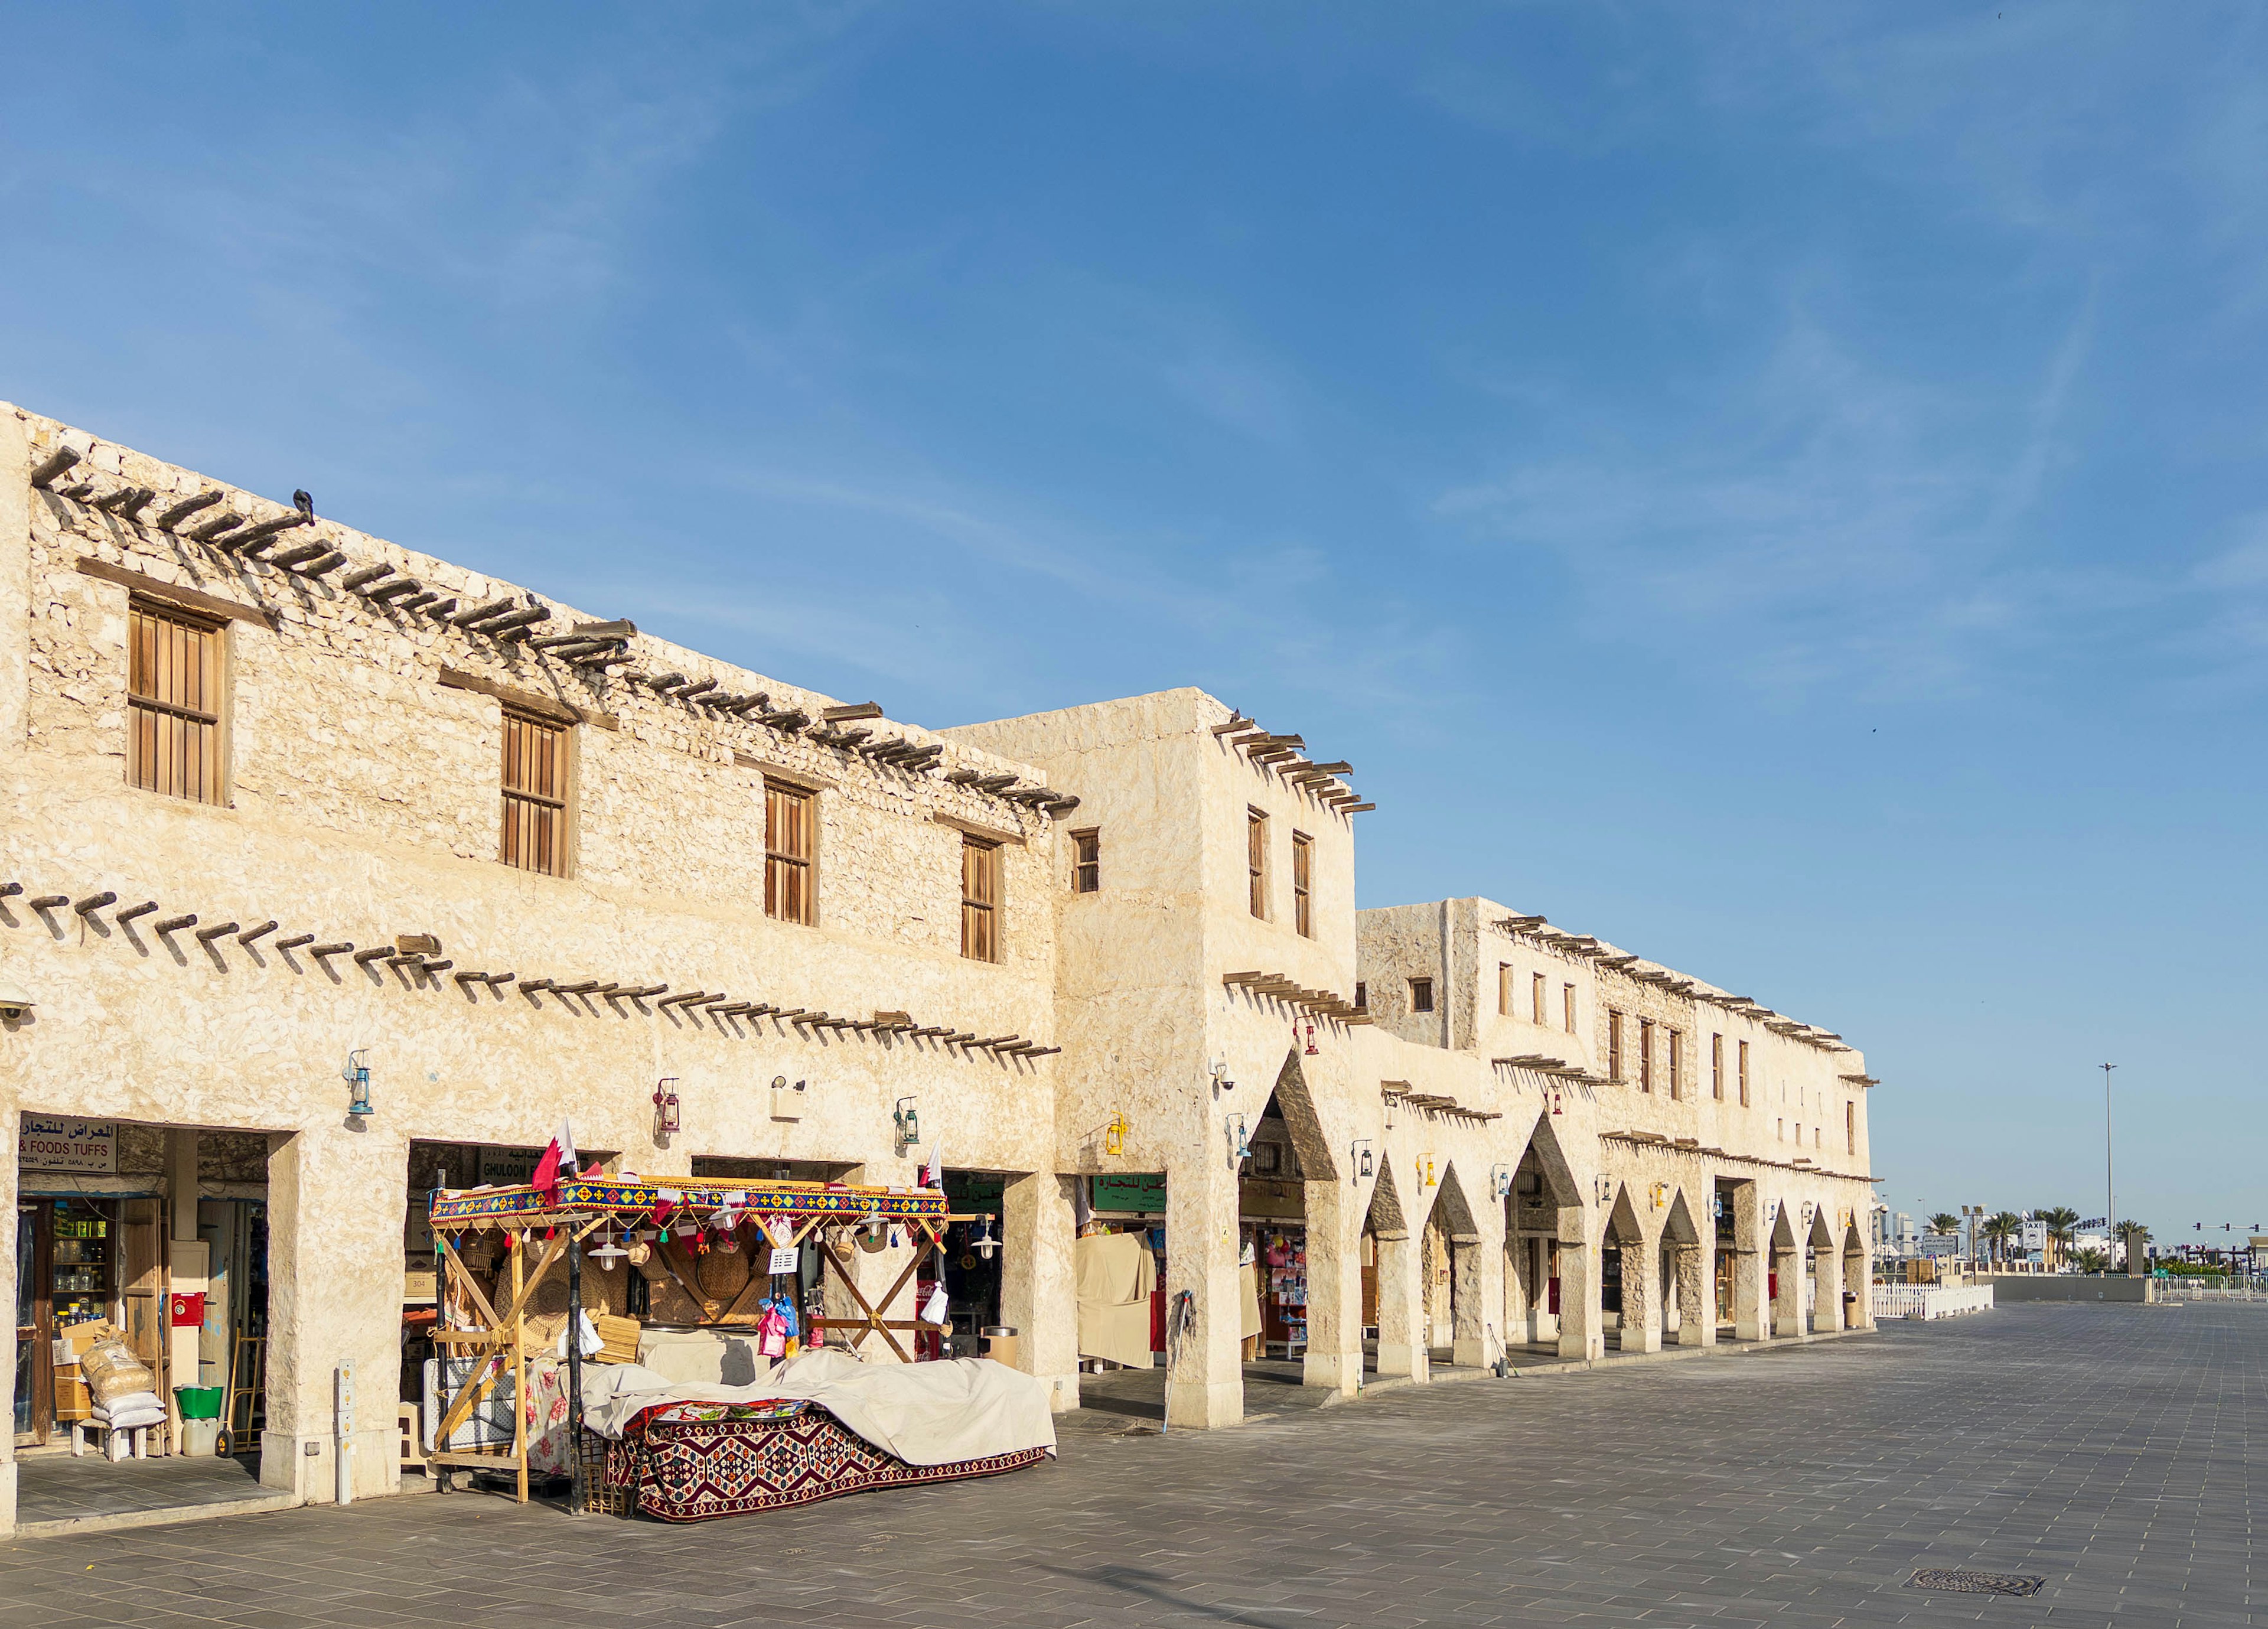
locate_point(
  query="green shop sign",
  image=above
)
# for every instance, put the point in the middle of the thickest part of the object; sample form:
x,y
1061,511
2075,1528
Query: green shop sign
x,y
1144,1191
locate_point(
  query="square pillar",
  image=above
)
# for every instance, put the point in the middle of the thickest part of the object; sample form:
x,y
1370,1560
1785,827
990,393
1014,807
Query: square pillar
x,y
1751,1284
1469,1345
1404,1336
338,1198
1580,1332
1334,1211
1697,1311
1827,1309
1788,1306
1641,1328
1205,1382
1039,1297
1859,1278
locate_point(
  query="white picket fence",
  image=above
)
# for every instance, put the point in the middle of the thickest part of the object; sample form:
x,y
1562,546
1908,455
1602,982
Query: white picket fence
x,y
1929,1301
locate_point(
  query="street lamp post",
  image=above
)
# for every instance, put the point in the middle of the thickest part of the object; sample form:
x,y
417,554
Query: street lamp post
x,y
2109,1189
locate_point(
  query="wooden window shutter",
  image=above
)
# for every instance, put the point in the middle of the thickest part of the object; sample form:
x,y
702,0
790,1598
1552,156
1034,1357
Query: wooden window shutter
x,y
791,849
1256,861
980,899
174,683
535,795
1302,857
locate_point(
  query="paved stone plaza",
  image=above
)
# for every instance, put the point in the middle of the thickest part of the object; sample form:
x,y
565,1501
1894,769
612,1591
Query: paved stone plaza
x,y
2108,1449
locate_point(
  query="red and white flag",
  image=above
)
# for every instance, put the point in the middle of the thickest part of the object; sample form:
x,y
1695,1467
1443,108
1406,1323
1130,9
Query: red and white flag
x,y
558,1161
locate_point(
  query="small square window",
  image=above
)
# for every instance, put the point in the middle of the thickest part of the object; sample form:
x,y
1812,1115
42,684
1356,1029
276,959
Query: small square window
x,y
1421,995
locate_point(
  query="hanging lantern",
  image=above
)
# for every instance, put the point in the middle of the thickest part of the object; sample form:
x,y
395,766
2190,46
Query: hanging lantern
x,y
1556,1107
984,1243
1312,1049
666,1119
1240,1141
907,1122
1360,1159
1114,1135
608,1254
1500,1181
356,1075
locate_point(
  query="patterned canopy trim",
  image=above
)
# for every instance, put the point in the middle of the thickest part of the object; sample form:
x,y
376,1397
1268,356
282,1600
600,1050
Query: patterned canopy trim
x,y
631,1198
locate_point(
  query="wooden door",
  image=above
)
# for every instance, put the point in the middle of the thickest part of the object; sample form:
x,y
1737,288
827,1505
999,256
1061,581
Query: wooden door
x,y
34,1390
141,1286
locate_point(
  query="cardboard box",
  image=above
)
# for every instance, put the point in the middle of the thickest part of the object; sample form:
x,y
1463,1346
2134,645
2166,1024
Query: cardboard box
x,y
72,1401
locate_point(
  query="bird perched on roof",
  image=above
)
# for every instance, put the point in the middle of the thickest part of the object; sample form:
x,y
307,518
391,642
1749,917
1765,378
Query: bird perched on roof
x,y
306,503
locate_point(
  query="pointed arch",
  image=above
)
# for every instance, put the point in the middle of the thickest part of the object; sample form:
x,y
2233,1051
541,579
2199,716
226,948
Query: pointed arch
x,y
1451,1208
1823,1234
1300,1120
1549,1158
1385,1216
1783,1232
1622,1221
1679,1228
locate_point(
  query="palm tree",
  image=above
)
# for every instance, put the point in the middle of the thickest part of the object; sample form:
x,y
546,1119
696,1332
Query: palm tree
x,y
1945,1224
2134,1235
2001,1228
2090,1260
2061,1220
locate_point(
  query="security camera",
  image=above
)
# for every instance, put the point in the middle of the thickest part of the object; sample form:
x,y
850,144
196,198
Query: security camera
x,y
13,1003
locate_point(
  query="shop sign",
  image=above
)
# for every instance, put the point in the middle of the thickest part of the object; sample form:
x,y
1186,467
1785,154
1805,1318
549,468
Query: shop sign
x,y
51,1143
1144,1191
509,1168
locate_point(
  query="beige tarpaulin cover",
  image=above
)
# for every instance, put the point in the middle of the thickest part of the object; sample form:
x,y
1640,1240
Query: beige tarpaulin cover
x,y
925,1413
1249,1276
1115,1274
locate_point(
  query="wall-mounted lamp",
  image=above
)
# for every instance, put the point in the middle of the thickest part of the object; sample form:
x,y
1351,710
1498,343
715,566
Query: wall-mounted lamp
x,y
986,1242
1500,1181
665,1120
907,1122
356,1075
1359,1157
1312,1048
1426,1178
1114,1135
1659,1193
787,1100
1606,1189
1556,1107
1220,1081
1240,1142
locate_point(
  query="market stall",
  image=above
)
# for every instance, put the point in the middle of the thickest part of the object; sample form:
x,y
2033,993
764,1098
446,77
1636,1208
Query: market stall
x,y
511,1385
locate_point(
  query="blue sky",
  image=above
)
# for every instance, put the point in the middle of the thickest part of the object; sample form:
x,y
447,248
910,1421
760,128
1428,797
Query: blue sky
x,y
1778,489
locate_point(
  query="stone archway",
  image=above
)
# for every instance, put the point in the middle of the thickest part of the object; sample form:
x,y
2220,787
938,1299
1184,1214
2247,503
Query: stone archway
x,y
1858,1279
1545,1197
1785,1283
1686,1277
1637,1321
1825,1251
1393,1292
1454,1298
1297,1299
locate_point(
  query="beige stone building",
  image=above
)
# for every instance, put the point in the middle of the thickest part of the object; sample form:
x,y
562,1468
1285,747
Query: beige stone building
x,y
280,802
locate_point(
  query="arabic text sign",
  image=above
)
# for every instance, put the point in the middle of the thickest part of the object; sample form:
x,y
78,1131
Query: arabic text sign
x,y
52,1143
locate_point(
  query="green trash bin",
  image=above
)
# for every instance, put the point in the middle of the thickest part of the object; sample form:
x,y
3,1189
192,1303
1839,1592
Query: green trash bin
x,y
200,1407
